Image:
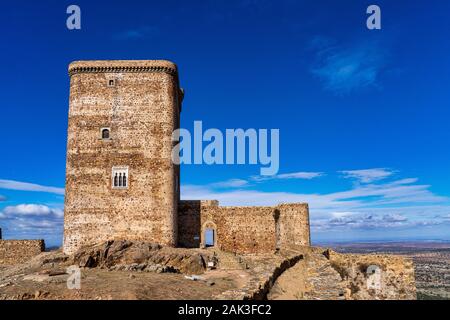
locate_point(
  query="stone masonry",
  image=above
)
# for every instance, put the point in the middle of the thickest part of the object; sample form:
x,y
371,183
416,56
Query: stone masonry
x,y
244,229
18,251
121,183
139,103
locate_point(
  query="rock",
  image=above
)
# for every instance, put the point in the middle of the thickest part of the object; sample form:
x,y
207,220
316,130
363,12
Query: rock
x,y
53,273
37,277
57,258
5,284
194,277
140,256
151,268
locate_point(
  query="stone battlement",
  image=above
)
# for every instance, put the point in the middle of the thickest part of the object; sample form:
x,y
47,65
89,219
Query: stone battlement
x,y
96,66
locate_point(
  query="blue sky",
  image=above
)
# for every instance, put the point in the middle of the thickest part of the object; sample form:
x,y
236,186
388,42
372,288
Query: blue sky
x,y
363,115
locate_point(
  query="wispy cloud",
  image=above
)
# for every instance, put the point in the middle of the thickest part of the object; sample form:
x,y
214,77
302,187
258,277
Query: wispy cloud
x,y
364,221
391,204
26,186
360,196
232,183
343,69
293,175
241,183
137,33
368,175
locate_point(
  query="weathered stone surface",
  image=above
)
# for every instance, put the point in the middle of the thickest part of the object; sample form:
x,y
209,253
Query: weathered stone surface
x,y
139,102
397,275
141,256
244,229
141,108
18,251
325,275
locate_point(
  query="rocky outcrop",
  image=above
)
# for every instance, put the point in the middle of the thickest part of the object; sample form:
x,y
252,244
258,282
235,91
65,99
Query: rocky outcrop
x,y
141,256
307,273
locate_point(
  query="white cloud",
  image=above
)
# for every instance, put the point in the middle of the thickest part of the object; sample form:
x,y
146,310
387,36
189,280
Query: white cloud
x,y
361,196
300,175
341,214
398,203
232,183
37,210
362,221
394,218
36,225
32,220
240,183
371,175
25,186
293,175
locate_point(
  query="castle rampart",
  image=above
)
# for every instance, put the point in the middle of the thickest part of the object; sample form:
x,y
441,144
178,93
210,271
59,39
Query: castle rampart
x,y
243,229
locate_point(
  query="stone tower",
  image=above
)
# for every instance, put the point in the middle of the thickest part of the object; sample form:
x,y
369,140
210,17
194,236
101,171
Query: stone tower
x,y
120,180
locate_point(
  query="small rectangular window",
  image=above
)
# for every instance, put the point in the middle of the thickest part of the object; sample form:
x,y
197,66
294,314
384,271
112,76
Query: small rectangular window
x,y
120,178
111,83
105,133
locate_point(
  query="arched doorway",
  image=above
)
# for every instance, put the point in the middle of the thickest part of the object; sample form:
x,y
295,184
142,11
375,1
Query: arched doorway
x,y
209,235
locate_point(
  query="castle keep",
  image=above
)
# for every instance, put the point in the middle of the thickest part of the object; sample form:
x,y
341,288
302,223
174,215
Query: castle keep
x,y
121,182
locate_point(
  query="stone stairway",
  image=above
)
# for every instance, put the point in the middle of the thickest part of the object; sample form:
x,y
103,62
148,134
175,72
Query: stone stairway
x,y
229,261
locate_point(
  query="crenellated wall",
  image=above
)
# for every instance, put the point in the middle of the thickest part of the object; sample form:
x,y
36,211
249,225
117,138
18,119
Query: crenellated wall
x,y
243,229
18,251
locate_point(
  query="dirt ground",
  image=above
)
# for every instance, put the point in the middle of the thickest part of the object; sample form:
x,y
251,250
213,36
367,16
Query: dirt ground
x,y
105,285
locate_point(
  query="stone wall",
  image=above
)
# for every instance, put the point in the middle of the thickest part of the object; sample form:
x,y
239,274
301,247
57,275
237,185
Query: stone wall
x,y
141,108
18,251
294,225
243,229
396,276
